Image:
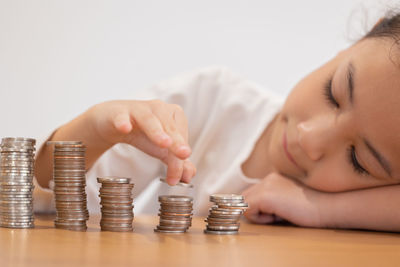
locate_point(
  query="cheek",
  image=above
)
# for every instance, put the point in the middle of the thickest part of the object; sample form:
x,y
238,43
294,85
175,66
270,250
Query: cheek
x,y
336,175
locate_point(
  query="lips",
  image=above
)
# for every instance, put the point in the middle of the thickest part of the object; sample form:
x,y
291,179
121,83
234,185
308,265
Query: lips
x,y
290,157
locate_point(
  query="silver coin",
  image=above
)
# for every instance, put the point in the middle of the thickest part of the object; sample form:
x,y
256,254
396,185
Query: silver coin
x,y
175,227
20,149
120,194
173,222
17,225
220,232
68,156
115,225
118,229
15,190
222,213
113,179
19,139
220,220
175,218
186,185
71,147
169,231
226,197
67,184
222,228
64,143
174,198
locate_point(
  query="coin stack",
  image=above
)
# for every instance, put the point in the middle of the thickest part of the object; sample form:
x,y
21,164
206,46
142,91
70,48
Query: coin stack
x,y
16,186
224,216
175,214
116,204
69,185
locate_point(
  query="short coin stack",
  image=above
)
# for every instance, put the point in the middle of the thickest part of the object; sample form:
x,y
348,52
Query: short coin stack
x,y
116,204
69,185
16,185
175,214
224,216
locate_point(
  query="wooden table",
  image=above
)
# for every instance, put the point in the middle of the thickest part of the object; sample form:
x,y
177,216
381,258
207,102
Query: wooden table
x,y
256,245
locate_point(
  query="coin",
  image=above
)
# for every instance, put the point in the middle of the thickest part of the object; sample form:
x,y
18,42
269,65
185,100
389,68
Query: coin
x,y
175,214
69,175
164,180
224,216
169,231
113,180
16,187
220,232
63,142
116,204
175,199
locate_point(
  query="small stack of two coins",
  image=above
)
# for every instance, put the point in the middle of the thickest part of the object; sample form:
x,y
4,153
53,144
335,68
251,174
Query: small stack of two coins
x,y
69,185
16,182
224,216
116,204
175,214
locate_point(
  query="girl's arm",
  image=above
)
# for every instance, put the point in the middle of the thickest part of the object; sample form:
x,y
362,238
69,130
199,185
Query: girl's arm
x,y
374,209
155,127
279,197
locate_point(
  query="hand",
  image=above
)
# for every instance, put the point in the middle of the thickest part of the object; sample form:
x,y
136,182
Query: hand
x,y
157,128
277,197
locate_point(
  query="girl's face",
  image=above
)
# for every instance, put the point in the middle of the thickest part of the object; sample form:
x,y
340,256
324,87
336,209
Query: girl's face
x,y
339,129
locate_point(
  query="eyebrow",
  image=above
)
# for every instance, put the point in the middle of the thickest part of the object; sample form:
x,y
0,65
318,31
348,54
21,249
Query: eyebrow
x,y
382,161
350,81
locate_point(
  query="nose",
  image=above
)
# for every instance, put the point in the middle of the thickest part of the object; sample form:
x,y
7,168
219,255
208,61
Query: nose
x,y
317,135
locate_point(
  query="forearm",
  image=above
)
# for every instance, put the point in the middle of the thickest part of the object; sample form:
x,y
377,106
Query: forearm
x,y
79,129
373,209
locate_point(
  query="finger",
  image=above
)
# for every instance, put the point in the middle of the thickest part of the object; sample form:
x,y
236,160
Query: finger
x,y
261,218
143,143
174,169
254,213
179,145
151,126
181,122
182,126
122,123
189,171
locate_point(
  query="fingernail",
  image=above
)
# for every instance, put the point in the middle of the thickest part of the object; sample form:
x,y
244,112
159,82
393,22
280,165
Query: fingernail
x,y
164,138
172,181
184,150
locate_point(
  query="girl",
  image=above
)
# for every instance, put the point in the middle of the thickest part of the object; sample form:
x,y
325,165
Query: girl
x,y
329,157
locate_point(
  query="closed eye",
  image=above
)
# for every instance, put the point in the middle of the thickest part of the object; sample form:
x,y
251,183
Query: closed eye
x,y
351,152
328,94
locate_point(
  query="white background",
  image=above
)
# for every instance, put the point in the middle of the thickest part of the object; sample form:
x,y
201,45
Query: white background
x,y
57,58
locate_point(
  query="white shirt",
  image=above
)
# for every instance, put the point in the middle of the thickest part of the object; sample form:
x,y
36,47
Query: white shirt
x,y
226,113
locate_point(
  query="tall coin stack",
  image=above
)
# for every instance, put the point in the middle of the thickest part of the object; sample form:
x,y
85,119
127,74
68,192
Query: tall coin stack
x,y
116,204
175,214
16,182
69,185
224,216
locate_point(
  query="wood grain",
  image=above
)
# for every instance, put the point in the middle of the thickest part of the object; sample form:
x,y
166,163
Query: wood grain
x,y
256,245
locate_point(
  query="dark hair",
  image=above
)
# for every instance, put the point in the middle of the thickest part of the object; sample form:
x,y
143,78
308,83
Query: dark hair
x,y
387,27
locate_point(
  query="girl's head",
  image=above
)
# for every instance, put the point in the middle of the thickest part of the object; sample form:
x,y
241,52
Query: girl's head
x,y
339,129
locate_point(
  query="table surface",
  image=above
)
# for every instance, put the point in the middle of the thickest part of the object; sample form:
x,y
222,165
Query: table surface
x,y
255,245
